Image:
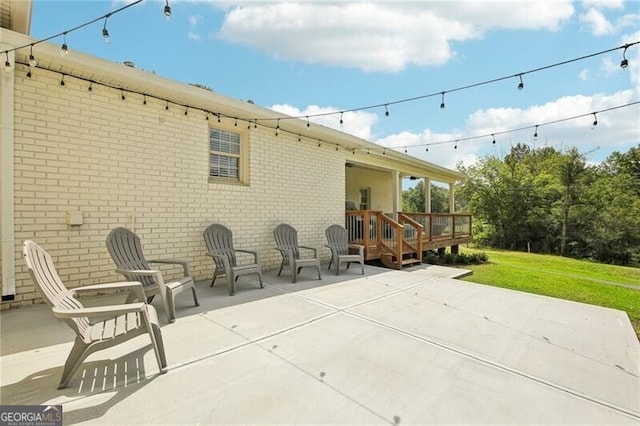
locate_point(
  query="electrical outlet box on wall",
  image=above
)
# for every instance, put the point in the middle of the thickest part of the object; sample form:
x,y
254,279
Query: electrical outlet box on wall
x,y
74,218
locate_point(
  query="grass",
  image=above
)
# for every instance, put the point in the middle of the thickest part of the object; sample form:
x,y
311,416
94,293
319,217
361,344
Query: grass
x,y
616,287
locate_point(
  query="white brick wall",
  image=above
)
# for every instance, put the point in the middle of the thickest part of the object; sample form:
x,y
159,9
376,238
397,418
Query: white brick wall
x,y
123,163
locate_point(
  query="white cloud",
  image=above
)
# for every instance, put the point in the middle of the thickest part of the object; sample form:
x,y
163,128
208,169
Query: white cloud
x,y
596,22
616,129
603,4
194,20
584,75
357,123
378,36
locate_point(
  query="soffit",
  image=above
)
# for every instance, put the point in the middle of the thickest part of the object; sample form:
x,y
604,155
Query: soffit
x,y
15,15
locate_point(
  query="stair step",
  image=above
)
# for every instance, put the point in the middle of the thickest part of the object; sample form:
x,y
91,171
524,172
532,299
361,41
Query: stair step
x,y
410,261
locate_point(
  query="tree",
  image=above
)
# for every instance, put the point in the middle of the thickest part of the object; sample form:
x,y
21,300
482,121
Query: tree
x,y
413,199
553,202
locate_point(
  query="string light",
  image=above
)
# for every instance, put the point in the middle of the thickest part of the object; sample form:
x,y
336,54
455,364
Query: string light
x,y
105,31
29,73
341,122
7,63
469,86
277,127
386,111
122,94
624,63
186,111
167,10
521,84
166,107
64,49
32,59
255,120
595,119
456,145
144,99
308,124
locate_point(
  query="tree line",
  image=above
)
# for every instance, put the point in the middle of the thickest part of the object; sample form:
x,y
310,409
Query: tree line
x,y
550,201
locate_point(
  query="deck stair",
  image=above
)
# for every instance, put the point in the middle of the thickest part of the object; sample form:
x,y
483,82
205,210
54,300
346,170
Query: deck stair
x,y
409,258
400,240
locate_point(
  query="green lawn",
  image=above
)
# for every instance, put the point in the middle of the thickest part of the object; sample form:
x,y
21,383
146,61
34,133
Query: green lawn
x,y
616,287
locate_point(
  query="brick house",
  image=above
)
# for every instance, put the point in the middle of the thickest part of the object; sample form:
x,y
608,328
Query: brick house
x,y
88,145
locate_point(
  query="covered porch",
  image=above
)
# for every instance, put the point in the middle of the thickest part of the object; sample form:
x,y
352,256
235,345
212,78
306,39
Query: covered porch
x,y
375,219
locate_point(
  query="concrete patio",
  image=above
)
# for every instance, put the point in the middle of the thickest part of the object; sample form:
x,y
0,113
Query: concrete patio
x,y
390,347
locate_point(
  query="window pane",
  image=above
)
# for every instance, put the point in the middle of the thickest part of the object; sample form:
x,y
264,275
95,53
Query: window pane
x,y
222,166
222,141
224,158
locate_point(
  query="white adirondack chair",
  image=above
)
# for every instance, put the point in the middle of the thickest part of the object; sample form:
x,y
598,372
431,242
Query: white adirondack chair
x,y
98,327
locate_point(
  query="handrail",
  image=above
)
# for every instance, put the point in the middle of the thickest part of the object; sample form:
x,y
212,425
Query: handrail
x,y
410,232
394,236
417,248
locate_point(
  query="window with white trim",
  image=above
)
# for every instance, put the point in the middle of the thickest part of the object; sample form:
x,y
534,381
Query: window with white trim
x,y
365,198
227,155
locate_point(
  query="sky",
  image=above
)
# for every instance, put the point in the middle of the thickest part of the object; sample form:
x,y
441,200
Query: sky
x,y
309,57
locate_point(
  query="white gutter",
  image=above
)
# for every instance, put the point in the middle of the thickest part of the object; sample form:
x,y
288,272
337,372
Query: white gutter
x,y
7,208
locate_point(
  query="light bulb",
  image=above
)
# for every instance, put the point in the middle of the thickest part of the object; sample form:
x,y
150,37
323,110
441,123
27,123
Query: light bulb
x,y
32,59
64,49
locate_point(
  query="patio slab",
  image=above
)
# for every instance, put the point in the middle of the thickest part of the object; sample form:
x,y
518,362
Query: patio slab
x,y
392,347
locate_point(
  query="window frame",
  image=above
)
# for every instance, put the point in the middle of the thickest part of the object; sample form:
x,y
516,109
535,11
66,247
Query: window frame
x,y
365,198
242,156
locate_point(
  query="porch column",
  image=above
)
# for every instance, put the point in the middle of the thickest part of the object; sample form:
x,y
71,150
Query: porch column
x,y
397,192
452,198
427,195
7,210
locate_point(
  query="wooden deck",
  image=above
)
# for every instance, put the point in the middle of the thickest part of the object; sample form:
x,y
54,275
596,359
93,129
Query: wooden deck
x,y
402,240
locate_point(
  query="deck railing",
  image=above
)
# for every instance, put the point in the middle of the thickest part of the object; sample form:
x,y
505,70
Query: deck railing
x,y
443,225
373,228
